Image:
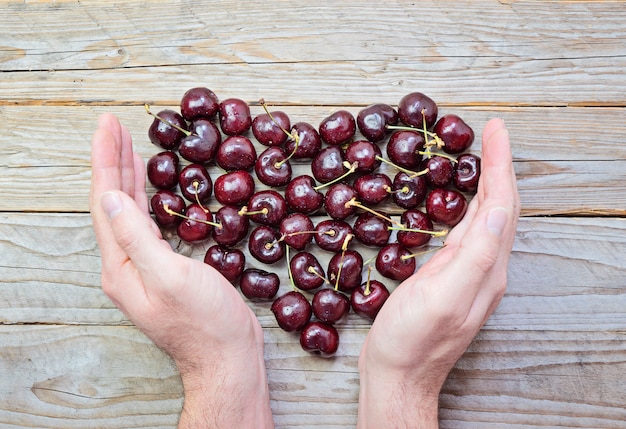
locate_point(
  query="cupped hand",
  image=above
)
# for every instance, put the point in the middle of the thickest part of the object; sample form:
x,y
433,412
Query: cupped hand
x,y
430,319
184,306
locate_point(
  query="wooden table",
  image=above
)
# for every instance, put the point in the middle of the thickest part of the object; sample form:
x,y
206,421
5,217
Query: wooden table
x,y
553,354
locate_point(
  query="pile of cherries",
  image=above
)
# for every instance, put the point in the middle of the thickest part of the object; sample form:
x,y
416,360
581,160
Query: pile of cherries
x,y
433,176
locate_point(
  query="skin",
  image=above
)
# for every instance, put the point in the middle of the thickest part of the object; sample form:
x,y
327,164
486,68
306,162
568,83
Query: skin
x,y
194,314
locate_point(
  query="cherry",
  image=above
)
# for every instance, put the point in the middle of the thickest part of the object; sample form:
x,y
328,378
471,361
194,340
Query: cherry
x,y
409,190
292,311
371,230
373,120
229,262
446,206
338,128
365,154
197,225
272,167
234,188
297,230
403,148
233,227
258,284
234,115
269,128
162,170
202,144
455,133
199,103
368,299
302,196
330,306
395,262
466,172
319,338
414,221
163,131
267,207
265,245
236,153
372,189
331,234
415,108
344,270
328,164
309,141
337,201
306,271
195,183
163,199
440,170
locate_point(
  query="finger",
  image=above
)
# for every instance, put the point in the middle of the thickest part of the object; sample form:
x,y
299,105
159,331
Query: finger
x,y
140,196
127,162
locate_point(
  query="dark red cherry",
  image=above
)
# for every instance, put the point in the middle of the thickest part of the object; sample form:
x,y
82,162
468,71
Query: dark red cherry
x,y
265,245
306,271
347,267
331,234
446,206
259,284
301,195
403,149
234,188
195,183
368,299
309,141
455,133
372,189
412,105
319,338
229,262
371,230
234,116
271,132
236,153
195,229
373,120
174,202
327,165
416,220
337,201
338,128
162,170
395,262
297,229
409,190
199,103
440,171
162,134
466,172
330,306
292,311
272,168
202,144
233,226
267,207
366,155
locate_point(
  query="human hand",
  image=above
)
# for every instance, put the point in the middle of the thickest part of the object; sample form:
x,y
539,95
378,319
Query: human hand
x,y
185,306
430,319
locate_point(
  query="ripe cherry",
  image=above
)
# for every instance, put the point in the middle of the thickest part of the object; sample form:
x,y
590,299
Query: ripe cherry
x,y
195,183
414,220
234,188
306,271
371,230
233,227
197,226
336,201
199,103
272,167
301,195
372,189
409,190
455,133
269,128
229,262
440,170
395,262
373,120
234,115
466,172
259,284
236,153
292,311
162,170
368,299
309,141
338,128
328,164
446,206
319,338
330,306
164,130
331,234
416,107
267,207
265,245
297,230
201,146
344,270
403,148
365,154
163,203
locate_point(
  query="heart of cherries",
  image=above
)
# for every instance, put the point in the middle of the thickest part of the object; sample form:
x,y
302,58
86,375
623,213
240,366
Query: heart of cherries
x,y
434,176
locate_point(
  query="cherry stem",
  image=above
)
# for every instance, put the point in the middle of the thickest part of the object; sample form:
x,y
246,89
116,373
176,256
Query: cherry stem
x,y
171,212
293,283
414,255
244,211
428,154
351,169
182,130
367,285
441,233
196,185
407,128
411,173
344,247
313,271
354,203
292,135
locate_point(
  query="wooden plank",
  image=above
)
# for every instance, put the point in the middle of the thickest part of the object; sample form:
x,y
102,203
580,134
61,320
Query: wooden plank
x,y
107,34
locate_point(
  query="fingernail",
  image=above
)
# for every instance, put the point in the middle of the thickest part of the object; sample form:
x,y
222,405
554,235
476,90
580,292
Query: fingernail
x,y
496,220
111,204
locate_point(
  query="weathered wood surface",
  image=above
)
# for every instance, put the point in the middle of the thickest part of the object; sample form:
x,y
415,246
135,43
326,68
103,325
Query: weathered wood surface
x,y
551,356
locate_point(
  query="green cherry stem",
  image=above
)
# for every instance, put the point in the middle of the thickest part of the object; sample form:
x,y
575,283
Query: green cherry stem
x,y
182,130
411,173
351,169
414,255
344,247
171,212
440,233
354,203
